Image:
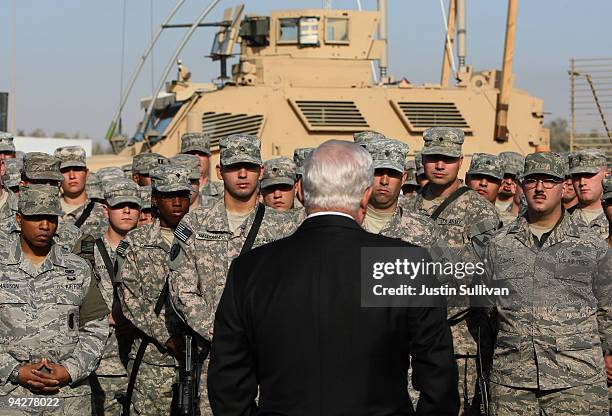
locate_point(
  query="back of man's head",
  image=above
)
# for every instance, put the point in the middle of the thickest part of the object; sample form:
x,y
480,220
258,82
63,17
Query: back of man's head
x,y
336,176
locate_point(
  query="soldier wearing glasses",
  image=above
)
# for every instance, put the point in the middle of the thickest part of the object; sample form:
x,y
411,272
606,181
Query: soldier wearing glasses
x,y
554,328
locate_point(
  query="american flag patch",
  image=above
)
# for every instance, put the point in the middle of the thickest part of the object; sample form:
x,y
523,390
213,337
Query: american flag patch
x,y
121,248
182,233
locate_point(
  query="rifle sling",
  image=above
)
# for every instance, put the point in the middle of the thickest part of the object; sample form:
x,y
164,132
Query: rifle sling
x,y
85,214
449,200
250,239
133,374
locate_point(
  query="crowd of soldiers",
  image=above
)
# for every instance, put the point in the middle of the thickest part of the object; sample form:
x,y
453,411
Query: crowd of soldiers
x,y
103,274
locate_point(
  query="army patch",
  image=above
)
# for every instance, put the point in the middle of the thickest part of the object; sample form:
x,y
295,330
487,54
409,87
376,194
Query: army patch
x,y
70,274
212,236
122,248
182,232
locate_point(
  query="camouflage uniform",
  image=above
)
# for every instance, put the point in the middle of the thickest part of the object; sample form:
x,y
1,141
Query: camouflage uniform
x,y
127,170
142,163
556,323
192,164
93,187
204,247
41,166
111,376
199,142
143,266
6,143
145,196
108,173
465,226
53,310
96,223
493,166
589,161
514,164
279,171
299,158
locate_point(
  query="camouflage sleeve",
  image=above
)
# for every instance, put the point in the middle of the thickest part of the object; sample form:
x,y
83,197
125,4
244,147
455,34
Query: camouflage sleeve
x,y
192,304
483,224
93,335
7,365
602,288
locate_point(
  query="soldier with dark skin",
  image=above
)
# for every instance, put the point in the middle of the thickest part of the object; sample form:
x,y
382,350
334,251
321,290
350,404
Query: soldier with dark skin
x,y
142,259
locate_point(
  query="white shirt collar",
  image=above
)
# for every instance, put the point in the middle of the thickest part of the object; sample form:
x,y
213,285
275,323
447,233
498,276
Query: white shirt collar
x,y
318,214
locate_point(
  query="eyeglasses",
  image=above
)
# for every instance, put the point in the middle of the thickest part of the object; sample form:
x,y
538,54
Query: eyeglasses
x,y
531,183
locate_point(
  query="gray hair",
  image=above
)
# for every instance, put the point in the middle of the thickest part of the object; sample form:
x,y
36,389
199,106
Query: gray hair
x,y
336,175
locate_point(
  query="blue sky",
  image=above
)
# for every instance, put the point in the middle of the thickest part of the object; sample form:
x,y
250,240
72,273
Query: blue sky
x,y
69,51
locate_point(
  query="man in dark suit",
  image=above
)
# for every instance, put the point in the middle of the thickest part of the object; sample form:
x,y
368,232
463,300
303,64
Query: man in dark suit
x,y
290,325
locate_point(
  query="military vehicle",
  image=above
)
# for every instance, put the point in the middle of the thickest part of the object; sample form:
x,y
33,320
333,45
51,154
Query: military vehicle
x,y
305,76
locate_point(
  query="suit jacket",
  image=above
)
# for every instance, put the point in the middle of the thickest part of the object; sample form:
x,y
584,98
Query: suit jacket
x,y
290,323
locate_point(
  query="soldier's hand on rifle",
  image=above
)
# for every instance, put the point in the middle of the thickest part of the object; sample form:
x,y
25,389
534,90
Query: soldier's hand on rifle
x,y
176,347
608,362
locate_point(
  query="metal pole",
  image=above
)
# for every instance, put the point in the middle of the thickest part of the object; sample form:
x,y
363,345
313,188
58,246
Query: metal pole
x,y
171,62
461,34
382,35
599,109
13,96
111,130
447,58
572,75
503,101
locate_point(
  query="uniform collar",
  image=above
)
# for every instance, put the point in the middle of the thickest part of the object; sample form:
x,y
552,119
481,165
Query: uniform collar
x,y
565,227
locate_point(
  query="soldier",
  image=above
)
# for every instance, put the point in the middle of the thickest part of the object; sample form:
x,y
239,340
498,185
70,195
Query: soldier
x,y
464,220
41,168
420,171
109,173
192,164
411,185
299,157
510,190
53,319
385,215
198,144
588,168
570,199
8,202
146,212
122,210
142,259
607,202
79,209
12,174
208,239
127,170
278,184
485,176
142,164
555,324
7,147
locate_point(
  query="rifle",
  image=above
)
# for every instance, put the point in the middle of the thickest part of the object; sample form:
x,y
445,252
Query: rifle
x,y
483,386
188,397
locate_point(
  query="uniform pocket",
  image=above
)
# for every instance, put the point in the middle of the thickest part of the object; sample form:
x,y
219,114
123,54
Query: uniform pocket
x,y
579,356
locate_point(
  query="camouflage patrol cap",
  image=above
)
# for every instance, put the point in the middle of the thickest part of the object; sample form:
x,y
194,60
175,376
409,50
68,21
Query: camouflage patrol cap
x,y
12,172
121,191
514,163
299,157
363,137
127,170
240,148
42,166
170,178
195,142
388,154
546,163
144,162
108,173
444,141
586,161
606,183
279,171
93,186
145,196
189,162
411,175
6,142
486,164
418,162
71,156
37,199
